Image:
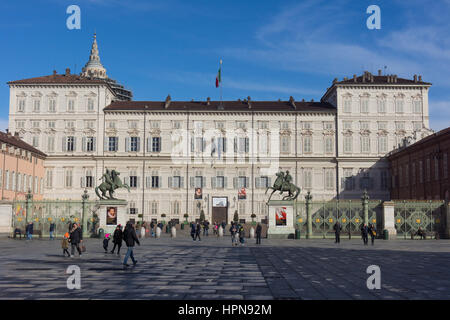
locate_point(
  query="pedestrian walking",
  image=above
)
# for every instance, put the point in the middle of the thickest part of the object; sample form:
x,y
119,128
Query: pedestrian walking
x,y
242,235
364,234
205,228
130,238
223,226
52,230
233,232
193,231
106,242
29,230
76,237
373,232
152,226
117,239
258,233
198,230
337,232
65,244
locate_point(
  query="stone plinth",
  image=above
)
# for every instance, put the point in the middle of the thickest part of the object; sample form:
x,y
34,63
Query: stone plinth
x,y
389,219
109,225
283,227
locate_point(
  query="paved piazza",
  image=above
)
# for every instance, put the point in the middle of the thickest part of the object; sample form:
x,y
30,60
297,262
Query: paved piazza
x,y
212,269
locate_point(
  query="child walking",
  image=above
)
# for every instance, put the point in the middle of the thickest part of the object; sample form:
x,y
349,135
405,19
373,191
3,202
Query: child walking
x,y
65,244
106,242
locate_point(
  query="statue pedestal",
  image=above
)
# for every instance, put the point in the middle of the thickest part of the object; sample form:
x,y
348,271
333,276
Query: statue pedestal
x,y
281,220
106,211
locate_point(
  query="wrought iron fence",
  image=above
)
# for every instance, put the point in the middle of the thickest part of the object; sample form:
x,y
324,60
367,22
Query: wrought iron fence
x,y
60,212
412,215
349,213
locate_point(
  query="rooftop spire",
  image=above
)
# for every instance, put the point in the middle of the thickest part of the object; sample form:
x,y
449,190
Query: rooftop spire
x,y
94,67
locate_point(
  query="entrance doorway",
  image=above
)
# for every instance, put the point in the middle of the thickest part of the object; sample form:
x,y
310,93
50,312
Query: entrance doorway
x,y
219,209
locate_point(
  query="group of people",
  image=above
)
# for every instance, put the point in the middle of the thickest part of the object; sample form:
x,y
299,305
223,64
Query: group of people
x,y
129,236
365,232
74,237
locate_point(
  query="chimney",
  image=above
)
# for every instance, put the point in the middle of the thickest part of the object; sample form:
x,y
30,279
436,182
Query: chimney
x,y
415,78
354,78
395,78
167,102
208,101
67,71
420,78
345,78
364,77
54,72
379,72
249,103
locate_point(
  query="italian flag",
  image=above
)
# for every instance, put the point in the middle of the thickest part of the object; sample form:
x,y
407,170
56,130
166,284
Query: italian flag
x,y
218,77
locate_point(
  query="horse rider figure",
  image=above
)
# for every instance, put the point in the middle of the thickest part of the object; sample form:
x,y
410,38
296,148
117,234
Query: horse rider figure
x,y
109,179
287,180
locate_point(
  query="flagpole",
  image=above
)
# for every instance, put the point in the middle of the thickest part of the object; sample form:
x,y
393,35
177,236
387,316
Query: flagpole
x,y
220,84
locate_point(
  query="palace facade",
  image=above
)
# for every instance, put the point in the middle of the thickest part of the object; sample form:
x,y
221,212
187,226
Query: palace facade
x,y
165,150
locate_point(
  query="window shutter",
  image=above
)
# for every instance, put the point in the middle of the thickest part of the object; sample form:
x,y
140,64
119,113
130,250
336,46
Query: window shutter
x,y
213,182
234,183
257,182
148,182
83,144
224,142
203,144
127,180
225,182
247,182
116,143
127,144
269,182
192,144
191,182
170,182
83,182
149,144
94,143
247,147
204,182
105,143
343,184
159,144
138,182
64,144
74,144
181,182
235,144
138,142
213,145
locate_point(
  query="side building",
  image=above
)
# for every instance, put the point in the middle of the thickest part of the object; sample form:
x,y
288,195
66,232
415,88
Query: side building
x,y
21,168
421,170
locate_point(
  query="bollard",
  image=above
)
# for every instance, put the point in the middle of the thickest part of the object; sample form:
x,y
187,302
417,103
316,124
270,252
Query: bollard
x,y
220,231
142,235
158,232
173,232
252,233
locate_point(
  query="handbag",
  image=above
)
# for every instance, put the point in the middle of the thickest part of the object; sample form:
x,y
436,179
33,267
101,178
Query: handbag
x,y
83,248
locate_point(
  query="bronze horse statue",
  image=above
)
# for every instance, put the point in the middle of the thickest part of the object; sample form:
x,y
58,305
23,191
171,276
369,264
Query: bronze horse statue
x,y
282,184
111,183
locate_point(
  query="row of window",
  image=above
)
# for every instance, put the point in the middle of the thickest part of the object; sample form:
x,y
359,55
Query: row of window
x,y
404,176
382,125
19,182
51,107
364,105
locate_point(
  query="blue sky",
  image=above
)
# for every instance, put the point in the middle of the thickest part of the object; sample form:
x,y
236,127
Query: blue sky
x,y
270,49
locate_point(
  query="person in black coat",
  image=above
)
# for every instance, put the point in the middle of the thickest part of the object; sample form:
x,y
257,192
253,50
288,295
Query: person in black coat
x,y
373,232
258,233
117,239
29,231
130,238
198,230
364,234
76,236
193,231
52,230
337,232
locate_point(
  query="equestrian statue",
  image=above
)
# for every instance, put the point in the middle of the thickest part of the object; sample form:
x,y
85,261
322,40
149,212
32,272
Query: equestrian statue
x,y
284,183
111,182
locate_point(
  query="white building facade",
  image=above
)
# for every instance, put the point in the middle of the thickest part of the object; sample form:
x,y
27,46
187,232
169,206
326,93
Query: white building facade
x,y
164,150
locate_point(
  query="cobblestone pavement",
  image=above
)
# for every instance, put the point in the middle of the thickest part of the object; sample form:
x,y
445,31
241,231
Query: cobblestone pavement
x,y
211,269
